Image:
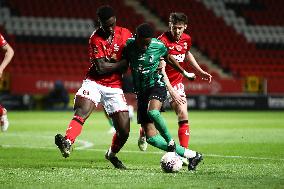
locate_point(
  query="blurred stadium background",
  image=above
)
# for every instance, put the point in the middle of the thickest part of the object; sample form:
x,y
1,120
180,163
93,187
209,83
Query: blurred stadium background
x,y
240,42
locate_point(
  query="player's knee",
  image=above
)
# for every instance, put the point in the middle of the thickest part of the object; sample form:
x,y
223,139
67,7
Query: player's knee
x,y
82,112
153,114
123,133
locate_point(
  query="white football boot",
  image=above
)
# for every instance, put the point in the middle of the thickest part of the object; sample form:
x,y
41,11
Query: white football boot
x,y
142,143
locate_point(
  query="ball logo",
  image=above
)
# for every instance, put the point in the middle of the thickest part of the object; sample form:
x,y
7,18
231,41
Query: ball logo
x,y
178,47
86,92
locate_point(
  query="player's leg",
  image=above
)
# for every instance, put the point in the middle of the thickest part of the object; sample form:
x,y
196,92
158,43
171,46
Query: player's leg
x,y
156,99
83,108
156,140
86,99
159,122
182,114
110,122
142,140
3,119
183,129
115,105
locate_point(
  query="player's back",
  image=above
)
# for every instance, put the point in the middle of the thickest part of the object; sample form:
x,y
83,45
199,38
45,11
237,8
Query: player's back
x,y
144,64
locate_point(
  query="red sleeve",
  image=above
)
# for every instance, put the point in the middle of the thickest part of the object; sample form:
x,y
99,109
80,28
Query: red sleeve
x,y
127,34
163,39
96,48
2,41
189,43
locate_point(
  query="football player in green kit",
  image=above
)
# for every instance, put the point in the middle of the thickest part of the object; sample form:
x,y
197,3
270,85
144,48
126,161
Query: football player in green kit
x,y
144,55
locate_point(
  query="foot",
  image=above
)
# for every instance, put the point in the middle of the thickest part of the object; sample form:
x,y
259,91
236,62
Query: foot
x,y
193,162
4,121
172,146
115,161
63,145
185,161
142,143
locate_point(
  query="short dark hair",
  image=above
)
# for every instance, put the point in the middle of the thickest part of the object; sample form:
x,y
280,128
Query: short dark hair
x,y
176,17
105,12
145,30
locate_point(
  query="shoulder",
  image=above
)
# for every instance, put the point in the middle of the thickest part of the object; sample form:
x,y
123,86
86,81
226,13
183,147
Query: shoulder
x,y
96,36
158,43
3,42
123,31
186,37
130,41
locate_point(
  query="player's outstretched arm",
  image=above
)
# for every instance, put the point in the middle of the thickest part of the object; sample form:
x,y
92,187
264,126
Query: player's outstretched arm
x,y
104,67
172,61
175,96
203,74
9,53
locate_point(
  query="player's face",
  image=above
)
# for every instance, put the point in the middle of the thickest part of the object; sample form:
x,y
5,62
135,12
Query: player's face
x,y
108,25
143,43
177,29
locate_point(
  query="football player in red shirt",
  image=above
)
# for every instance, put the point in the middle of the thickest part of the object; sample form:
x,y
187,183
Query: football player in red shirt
x,y
9,53
178,44
105,45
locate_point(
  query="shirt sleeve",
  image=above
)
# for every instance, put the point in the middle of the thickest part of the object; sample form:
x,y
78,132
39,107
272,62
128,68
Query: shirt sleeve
x,y
164,51
189,43
3,42
96,48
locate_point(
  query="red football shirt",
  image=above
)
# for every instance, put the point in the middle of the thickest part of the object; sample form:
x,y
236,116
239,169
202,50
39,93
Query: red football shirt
x,y
178,50
2,41
99,47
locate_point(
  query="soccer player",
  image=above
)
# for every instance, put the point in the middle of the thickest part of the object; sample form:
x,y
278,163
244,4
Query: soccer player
x,y
9,53
178,44
105,44
144,54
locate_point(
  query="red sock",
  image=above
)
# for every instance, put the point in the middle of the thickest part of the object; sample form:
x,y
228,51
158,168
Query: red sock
x,y
1,110
117,143
74,128
142,132
183,133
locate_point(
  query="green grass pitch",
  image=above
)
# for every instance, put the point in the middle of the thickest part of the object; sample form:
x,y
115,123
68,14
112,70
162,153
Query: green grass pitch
x,y
241,150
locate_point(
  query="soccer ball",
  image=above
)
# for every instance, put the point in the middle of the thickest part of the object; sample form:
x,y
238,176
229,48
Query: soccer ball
x,y
171,162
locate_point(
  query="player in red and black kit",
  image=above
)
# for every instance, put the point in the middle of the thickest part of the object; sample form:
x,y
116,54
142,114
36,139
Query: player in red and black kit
x,y
178,44
9,53
103,84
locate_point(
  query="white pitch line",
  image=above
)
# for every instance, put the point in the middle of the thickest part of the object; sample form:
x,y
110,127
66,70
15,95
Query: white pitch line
x,y
87,145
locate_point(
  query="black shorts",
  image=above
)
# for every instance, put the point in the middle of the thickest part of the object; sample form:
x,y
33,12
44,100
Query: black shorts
x,y
156,92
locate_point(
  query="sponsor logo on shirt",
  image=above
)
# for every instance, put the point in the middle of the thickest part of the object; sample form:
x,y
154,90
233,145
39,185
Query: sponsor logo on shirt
x,y
115,48
179,57
178,47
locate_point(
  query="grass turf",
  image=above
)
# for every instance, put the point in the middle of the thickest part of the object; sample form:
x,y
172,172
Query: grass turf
x,y
241,149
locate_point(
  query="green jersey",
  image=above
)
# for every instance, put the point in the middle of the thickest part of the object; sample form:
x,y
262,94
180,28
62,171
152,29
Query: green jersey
x,y
144,64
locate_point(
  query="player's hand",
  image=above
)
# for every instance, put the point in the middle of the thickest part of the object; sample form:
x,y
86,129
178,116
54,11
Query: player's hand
x,y
177,98
206,76
189,76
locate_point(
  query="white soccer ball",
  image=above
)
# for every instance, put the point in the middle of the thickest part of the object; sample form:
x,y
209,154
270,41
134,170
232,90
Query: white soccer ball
x,y
171,162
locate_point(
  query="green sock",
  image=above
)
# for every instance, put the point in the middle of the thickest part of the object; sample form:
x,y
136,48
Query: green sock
x,y
159,142
160,124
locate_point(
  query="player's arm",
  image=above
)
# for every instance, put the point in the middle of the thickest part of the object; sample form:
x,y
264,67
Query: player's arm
x,y
9,53
203,74
104,67
175,96
172,61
